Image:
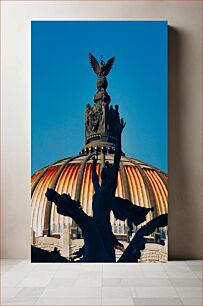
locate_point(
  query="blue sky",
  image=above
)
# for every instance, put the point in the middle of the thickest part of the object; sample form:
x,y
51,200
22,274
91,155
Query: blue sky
x,y
63,83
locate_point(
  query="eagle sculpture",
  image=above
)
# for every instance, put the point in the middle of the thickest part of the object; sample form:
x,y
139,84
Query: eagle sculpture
x,y
101,69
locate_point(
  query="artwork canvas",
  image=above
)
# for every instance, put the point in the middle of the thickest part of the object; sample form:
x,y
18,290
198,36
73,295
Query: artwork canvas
x,y
99,155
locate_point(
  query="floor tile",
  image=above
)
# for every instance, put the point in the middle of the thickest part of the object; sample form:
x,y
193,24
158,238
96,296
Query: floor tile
x,y
21,301
5,268
36,279
189,291
154,292
122,301
116,292
123,274
198,274
4,301
112,282
157,301
89,282
152,267
146,282
48,267
177,268
9,292
69,301
12,277
127,267
91,267
71,267
192,301
61,282
32,292
178,274
185,282
67,273
193,262
196,268
90,274
72,292
155,274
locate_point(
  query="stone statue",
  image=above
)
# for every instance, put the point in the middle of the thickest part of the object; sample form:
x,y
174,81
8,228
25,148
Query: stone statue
x,y
88,114
102,69
99,242
101,120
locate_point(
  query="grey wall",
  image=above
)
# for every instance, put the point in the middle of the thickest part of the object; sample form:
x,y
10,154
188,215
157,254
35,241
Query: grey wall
x,y
185,63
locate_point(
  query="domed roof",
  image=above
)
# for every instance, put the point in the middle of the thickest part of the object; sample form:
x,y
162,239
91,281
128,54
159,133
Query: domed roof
x,y
139,182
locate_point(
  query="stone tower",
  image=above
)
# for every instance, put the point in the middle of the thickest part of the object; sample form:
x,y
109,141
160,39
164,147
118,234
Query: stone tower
x,y
101,119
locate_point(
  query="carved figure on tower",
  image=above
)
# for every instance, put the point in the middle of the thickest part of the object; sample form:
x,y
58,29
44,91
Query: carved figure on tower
x,y
101,120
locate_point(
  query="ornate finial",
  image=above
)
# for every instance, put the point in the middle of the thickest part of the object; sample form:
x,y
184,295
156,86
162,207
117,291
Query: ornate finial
x,y
101,120
102,69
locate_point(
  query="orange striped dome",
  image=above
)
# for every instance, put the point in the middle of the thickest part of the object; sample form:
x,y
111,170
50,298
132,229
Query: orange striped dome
x,y
139,182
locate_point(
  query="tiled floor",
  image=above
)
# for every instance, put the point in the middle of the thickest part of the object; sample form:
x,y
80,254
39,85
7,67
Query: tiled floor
x,y
174,283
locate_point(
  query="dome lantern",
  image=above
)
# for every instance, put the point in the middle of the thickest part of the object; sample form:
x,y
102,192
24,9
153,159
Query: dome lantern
x,y
101,120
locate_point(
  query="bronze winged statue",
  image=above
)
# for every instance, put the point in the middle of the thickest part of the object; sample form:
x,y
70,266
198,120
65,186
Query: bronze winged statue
x,y
101,69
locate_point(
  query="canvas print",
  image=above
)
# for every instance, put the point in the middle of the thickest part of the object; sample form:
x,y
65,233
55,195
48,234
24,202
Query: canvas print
x,y
99,190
